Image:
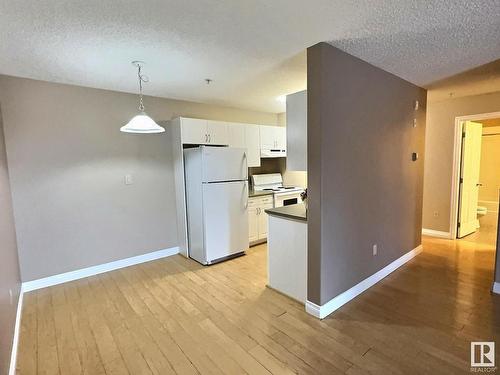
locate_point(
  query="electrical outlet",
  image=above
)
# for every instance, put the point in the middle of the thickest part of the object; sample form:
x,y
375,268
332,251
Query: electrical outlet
x,y
436,214
129,180
375,250
11,297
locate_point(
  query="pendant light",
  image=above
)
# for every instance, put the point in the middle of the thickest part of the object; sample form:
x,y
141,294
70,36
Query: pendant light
x,y
141,123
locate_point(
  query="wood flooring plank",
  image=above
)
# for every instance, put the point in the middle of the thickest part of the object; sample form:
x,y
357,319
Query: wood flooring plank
x,y
174,316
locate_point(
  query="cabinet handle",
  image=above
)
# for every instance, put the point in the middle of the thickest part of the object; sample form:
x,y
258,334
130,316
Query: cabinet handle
x,y
206,138
209,138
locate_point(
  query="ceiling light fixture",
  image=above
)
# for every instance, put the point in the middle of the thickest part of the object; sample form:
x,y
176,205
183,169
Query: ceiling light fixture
x,y
141,123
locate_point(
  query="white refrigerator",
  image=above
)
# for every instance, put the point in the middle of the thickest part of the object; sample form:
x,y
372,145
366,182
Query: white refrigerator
x,y
217,202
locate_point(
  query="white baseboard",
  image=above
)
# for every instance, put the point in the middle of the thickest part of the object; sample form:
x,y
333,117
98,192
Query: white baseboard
x,y
95,270
436,233
15,339
496,288
335,303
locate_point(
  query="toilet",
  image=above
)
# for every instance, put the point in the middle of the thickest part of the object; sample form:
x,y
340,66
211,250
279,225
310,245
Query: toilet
x,y
481,211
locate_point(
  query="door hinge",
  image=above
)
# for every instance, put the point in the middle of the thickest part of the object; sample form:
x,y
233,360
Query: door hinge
x,y
458,224
463,135
461,180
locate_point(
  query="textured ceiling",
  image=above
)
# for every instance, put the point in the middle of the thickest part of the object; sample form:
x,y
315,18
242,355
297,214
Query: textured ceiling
x,y
254,50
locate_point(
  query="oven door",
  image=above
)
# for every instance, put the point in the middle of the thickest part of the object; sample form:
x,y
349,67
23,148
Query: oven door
x,y
287,199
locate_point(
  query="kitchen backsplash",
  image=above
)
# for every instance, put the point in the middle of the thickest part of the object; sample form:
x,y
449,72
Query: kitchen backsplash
x,y
278,165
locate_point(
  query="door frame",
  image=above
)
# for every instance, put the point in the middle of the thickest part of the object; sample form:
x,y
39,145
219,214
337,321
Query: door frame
x,y
457,158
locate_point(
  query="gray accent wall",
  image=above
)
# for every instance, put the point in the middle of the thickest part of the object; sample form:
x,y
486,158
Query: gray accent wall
x,y
10,281
67,161
363,186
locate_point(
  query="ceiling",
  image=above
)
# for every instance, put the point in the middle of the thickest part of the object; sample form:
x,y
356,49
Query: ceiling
x,y
253,50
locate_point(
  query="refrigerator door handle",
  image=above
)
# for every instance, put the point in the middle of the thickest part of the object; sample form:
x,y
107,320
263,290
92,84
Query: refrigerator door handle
x,y
246,192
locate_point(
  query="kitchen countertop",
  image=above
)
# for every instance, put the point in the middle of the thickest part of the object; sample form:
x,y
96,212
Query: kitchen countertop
x,y
253,193
294,211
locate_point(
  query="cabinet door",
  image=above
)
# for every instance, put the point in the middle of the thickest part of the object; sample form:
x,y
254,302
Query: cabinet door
x,y
236,135
253,224
263,220
252,139
217,133
280,137
193,131
267,137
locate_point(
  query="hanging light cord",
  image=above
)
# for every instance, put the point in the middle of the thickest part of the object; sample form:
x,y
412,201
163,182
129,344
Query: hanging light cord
x,y
142,78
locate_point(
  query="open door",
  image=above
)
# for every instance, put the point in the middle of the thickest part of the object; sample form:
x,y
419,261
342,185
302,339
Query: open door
x,y
469,178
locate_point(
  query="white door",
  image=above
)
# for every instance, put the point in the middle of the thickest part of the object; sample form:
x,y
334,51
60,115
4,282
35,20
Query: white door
x,y
263,220
225,218
252,139
224,164
194,131
217,133
236,135
469,178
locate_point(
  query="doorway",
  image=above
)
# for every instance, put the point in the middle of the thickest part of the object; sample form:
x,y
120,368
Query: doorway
x,y
476,178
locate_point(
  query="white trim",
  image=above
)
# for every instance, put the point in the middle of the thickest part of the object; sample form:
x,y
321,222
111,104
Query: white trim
x,y
15,339
436,233
335,303
95,270
496,288
457,155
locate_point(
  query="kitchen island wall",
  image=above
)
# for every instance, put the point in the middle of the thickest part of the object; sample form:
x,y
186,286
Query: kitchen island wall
x,y
364,188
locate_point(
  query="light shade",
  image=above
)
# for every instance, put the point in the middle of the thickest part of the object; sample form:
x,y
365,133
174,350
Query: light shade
x,y
142,123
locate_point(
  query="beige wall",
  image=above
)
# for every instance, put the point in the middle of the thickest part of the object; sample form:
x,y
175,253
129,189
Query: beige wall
x,y
10,281
439,153
364,188
489,174
67,161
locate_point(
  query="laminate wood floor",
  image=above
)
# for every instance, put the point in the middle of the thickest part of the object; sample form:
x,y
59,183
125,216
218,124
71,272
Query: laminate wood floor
x,y
173,316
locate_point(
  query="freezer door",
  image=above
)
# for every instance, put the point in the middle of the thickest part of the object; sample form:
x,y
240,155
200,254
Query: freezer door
x,y
224,164
225,217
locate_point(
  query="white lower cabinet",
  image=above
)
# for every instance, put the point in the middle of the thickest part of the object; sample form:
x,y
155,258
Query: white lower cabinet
x,y
257,217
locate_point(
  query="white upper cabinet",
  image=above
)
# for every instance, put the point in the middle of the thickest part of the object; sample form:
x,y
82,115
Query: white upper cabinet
x,y
236,134
267,137
246,136
193,131
217,133
252,140
296,125
273,138
280,135
203,132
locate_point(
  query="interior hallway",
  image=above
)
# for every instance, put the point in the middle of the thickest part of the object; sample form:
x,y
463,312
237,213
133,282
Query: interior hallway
x,y
175,316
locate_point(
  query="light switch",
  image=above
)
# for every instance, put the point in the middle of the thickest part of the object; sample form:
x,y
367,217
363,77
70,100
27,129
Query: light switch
x,y
414,156
129,180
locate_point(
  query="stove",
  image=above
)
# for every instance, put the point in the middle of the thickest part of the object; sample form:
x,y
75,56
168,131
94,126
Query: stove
x,y
283,195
